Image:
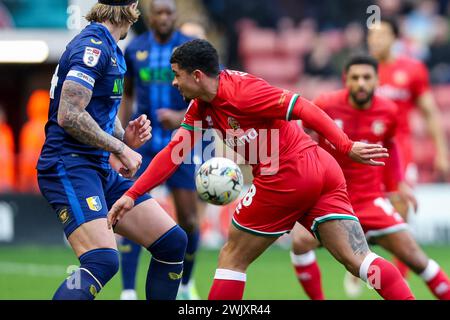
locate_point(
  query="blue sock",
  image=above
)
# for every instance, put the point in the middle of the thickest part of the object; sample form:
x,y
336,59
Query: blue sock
x,y
189,259
97,267
166,267
129,254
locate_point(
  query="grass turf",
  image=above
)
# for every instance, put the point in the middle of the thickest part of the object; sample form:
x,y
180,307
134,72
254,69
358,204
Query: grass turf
x,y
36,272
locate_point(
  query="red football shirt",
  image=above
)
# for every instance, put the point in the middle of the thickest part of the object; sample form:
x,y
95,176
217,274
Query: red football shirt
x,y
377,125
251,116
403,81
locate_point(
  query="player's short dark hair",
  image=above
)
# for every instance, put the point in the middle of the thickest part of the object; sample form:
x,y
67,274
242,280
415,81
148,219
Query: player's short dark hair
x,y
197,55
392,22
361,59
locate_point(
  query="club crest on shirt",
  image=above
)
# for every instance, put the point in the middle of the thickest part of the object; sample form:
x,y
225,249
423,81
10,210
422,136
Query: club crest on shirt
x,y
141,55
94,203
233,123
378,127
91,56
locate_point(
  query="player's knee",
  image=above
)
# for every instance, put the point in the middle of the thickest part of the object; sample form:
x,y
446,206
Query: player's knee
x,y
231,257
103,264
302,244
171,247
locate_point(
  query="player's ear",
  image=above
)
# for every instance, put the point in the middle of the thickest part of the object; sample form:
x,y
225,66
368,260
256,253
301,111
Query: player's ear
x,y
198,75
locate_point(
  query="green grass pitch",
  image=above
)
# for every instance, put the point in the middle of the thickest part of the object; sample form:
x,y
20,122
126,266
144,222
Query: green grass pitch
x,y
36,272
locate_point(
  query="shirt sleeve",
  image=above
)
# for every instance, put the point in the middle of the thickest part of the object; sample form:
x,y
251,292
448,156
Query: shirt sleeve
x,y
87,62
193,119
257,96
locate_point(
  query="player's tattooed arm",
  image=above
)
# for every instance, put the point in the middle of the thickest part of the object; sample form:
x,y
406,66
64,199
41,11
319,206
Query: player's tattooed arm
x,y
119,131
73,117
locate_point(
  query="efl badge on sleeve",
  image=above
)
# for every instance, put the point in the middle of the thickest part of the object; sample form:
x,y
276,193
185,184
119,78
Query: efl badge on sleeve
x,y
91,56
94,203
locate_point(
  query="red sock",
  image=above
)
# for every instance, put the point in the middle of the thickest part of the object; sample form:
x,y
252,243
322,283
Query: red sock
x,y
227,285
308,274
384,278
403,268
437,281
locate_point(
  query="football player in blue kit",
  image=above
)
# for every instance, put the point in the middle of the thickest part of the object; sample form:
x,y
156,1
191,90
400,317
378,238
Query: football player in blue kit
x,y
149,82
86,147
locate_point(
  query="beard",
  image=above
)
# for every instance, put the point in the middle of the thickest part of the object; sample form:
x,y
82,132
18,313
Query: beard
x,y
362,101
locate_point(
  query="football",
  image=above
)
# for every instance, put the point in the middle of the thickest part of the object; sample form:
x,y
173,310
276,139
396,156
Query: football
x,y
219,181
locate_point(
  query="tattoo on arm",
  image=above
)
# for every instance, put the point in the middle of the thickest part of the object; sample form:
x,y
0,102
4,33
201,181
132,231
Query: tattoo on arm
x,y
119,132
356,236
77,122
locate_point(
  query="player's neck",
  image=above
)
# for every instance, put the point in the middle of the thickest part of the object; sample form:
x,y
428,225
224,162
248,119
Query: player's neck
x,y
386,58
114,30
211,88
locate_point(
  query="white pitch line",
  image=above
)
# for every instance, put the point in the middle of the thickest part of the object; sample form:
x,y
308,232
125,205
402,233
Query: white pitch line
x,y
35,270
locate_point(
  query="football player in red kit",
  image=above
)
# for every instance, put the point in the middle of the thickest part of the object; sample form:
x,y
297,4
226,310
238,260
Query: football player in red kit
x,y
406,82
370,118
294,179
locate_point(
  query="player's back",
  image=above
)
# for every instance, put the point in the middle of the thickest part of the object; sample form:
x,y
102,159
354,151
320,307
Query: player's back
x,y
376,125
148,63
251,116
93,60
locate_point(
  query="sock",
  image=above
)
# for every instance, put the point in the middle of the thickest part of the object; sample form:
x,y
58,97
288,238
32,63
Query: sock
x,y
189,259
436,280
166,266
308,273
384,278
97,267
129,253
403,268
227,285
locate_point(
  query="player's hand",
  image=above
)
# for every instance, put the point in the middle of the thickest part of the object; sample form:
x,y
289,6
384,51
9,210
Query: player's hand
x,y
119,209
115,163
367,153
138,132
131,162
406,195
170,119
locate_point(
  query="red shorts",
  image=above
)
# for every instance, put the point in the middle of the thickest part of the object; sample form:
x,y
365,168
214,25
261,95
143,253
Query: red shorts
x,y
309,188
378,218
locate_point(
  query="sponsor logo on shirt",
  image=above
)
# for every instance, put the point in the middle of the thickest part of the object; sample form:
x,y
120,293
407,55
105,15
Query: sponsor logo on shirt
x,y
91,56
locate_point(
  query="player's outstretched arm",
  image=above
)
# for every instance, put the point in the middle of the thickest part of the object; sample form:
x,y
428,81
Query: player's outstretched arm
x,y
76,121
319,121
163,165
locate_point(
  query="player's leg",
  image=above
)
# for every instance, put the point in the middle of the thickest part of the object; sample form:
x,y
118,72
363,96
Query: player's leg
x,y
150,226
182,185
346,242
333,223
403,245
70,192
240,250
129,260
186,207
304,261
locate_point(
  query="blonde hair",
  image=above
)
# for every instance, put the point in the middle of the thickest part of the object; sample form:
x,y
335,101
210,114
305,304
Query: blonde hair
x,y
117,15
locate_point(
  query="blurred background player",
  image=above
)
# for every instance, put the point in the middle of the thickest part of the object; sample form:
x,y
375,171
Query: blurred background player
x,y
7,167
85,150
367,117
32,138
406,82
296,181
149,81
